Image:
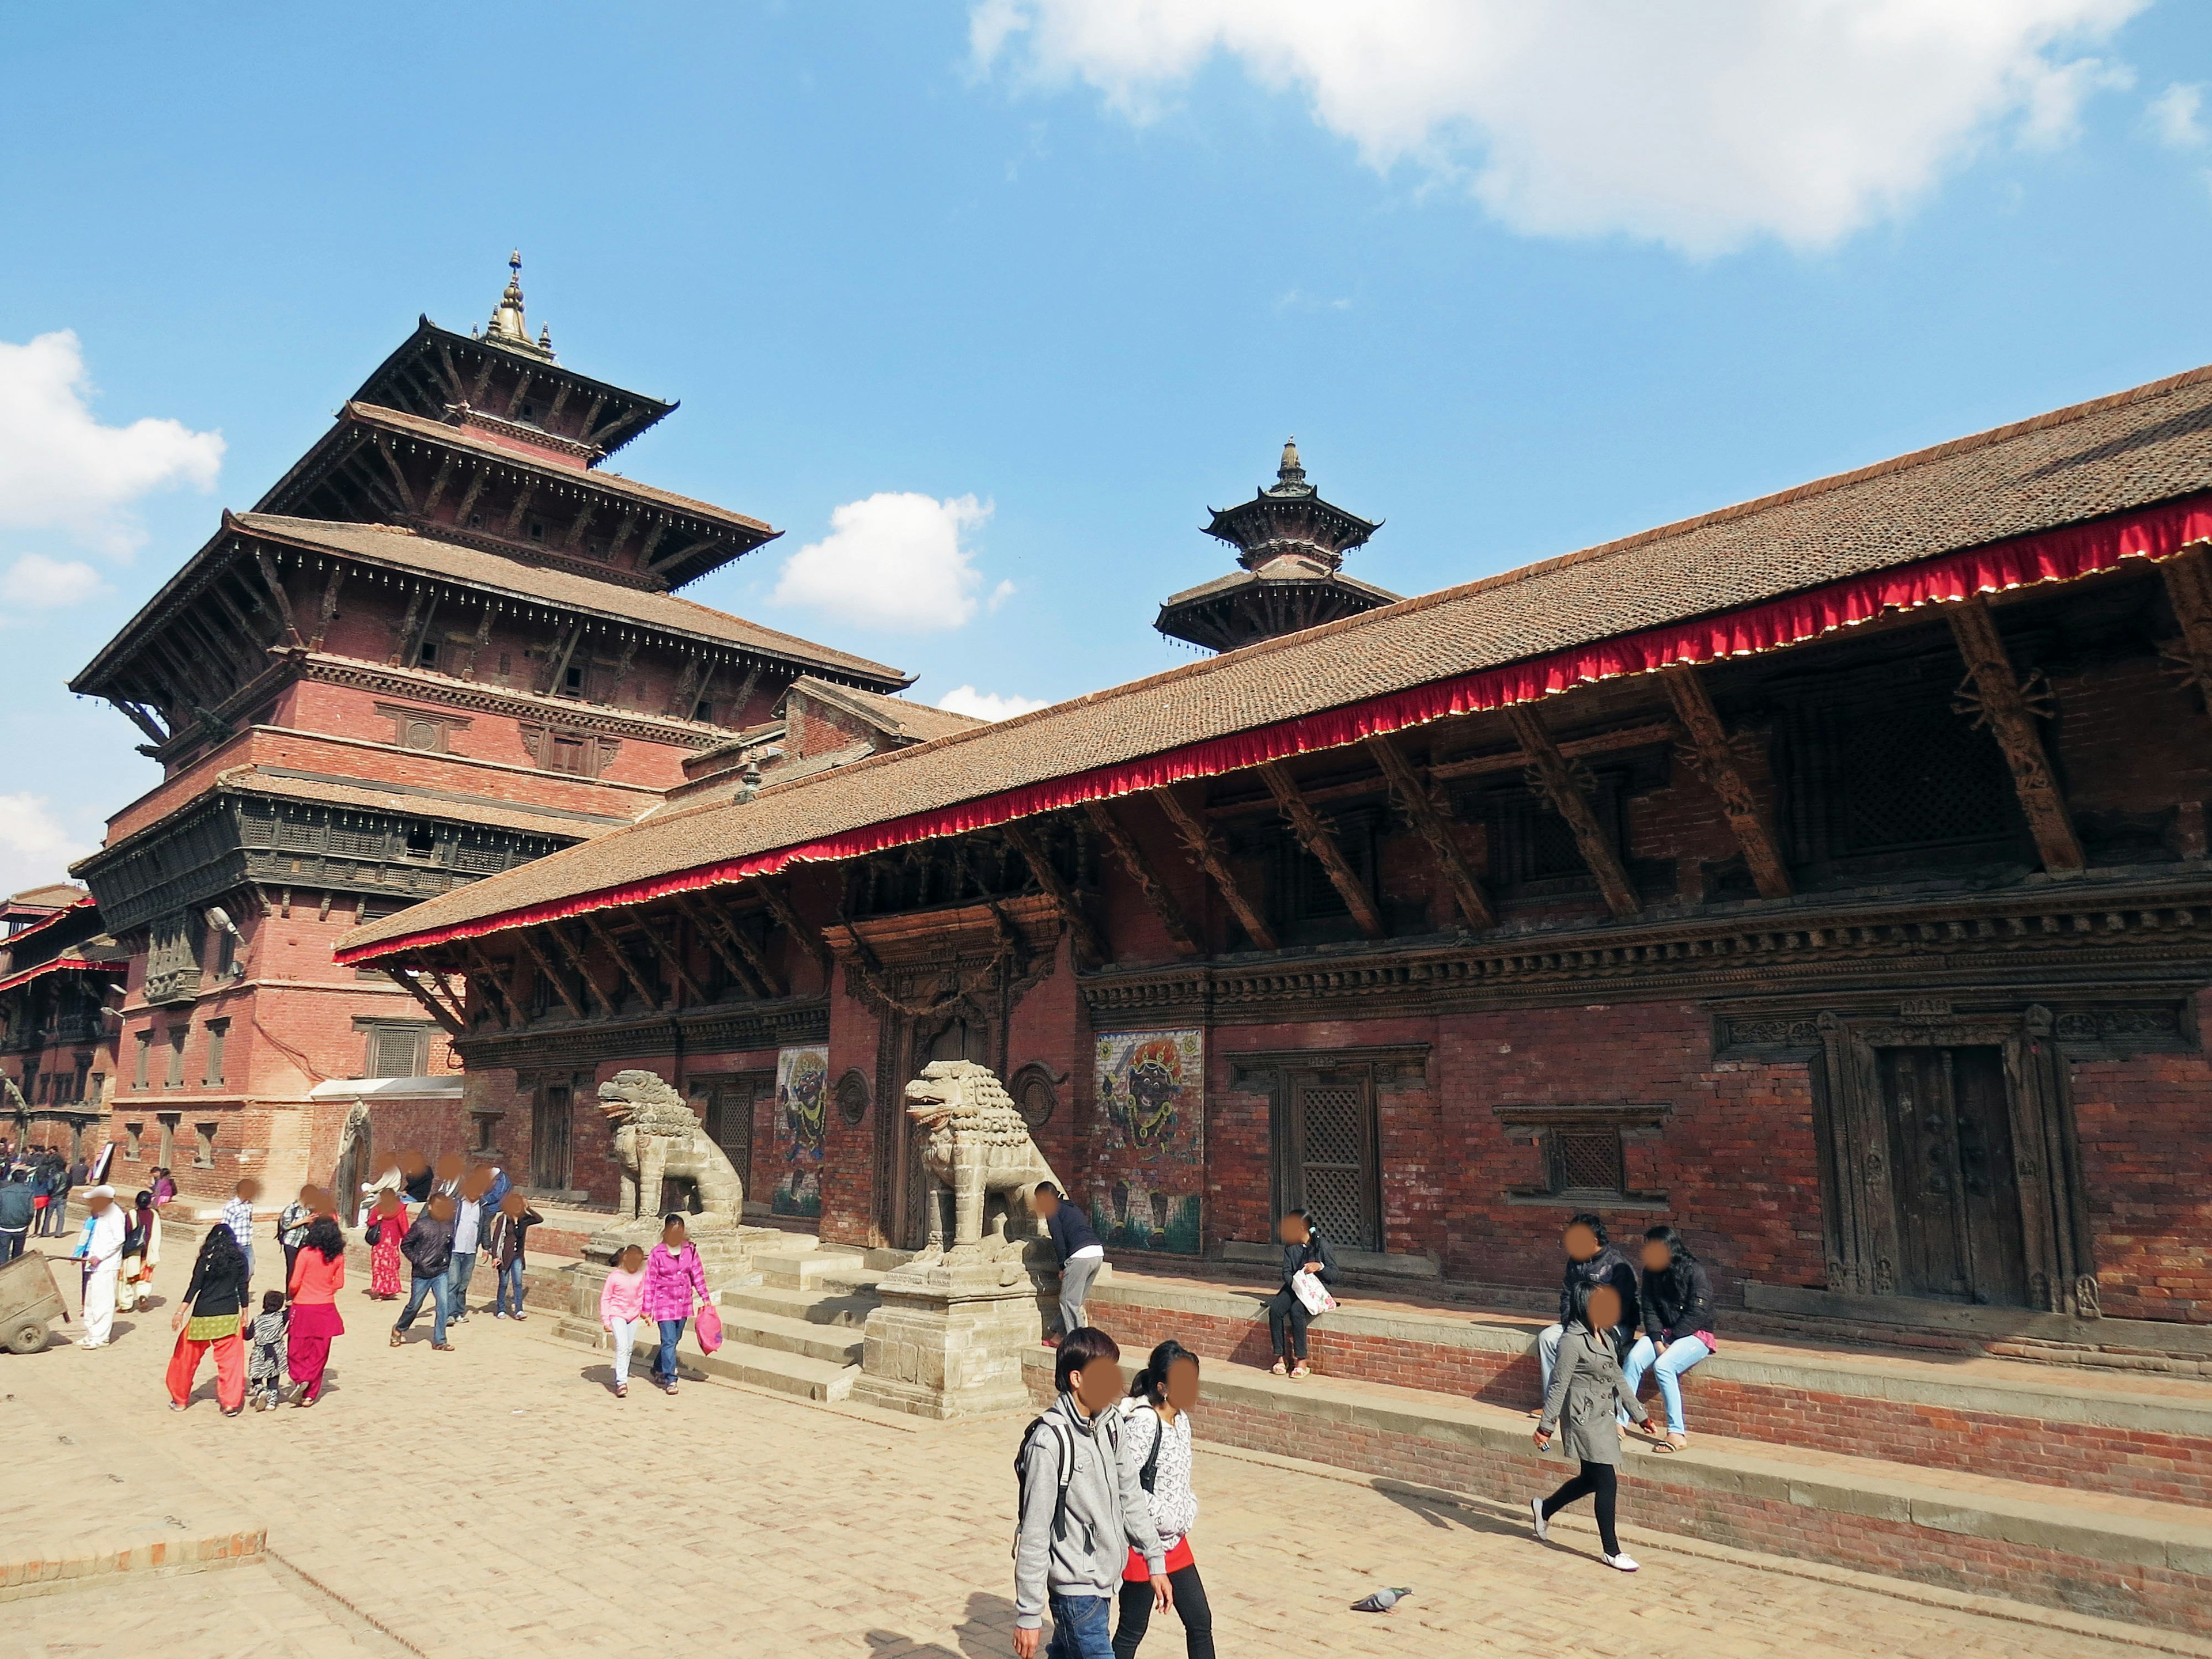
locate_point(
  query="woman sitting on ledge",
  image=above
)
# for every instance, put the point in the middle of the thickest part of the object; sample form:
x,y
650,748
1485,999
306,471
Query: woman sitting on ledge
x,y
1305,1255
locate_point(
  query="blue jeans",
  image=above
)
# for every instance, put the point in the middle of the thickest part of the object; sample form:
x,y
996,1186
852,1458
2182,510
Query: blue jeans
x,y
1081,1628
434,1286
1682,1352
664,1357
510,1283
458,1272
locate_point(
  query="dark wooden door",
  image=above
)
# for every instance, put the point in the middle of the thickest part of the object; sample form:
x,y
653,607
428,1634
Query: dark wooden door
x,y
1958,1229
549,1138
730,1105
1328,1167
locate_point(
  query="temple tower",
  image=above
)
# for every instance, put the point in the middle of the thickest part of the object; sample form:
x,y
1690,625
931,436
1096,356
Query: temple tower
x,y
1289,547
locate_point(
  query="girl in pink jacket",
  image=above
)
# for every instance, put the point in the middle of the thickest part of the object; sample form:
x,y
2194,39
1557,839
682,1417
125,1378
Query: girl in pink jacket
x,y
675,1284
621,1311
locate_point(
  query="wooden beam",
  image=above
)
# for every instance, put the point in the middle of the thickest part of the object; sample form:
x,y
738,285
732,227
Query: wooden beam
x,y
1089,948
622,667
557,656
651,540
239,619
2008,708
741,696
453,374
405,980
476,645
744,959
576,536
1514,760
329,612
646,993
1208,853
679,697
139,717
583,965
410,649
1433,827
673,961
2189,588
810,939
274,581
438,485
521,506
398,478
1320,840
1712,751
406,629
503,1003
552,973
1563,792
682,554
1140,871
514,398
478,475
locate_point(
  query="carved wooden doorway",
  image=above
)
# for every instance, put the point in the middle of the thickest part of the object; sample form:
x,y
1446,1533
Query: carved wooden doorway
x,y
727,1102
549,1137
1950,1166
1955,1184
1325,1162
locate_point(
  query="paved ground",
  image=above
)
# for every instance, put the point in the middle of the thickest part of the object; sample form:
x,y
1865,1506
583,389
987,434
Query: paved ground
x,y
499,1500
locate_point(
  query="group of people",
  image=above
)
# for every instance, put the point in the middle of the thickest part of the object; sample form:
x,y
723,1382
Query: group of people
x,y
437,1223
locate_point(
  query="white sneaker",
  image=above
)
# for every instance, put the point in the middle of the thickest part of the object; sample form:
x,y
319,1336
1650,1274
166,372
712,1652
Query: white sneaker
x,y
1543,1527
1621,1563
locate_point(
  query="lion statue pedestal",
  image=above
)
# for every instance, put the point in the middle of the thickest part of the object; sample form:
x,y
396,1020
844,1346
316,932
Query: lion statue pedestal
x,y
949,1338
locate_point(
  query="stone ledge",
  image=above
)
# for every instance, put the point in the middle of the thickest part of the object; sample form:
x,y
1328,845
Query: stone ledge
x,y
80,1562
2151,1336
2041,1396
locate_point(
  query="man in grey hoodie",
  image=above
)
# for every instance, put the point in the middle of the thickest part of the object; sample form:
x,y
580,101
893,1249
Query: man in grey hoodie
x,y
1075,1538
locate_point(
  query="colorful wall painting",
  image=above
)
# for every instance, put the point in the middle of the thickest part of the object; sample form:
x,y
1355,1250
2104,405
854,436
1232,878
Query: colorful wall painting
x,y
802,1120
1145,1192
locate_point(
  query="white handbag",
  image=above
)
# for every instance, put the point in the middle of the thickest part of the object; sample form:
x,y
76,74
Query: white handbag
x,y
1308,1289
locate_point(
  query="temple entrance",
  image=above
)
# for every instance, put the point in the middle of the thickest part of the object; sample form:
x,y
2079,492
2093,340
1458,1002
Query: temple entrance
x,y
549,1137
1326,1160
1955,1183
727,1105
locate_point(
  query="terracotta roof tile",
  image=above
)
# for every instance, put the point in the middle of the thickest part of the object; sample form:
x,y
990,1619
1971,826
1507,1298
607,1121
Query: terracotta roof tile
x,y
2133,450
481,568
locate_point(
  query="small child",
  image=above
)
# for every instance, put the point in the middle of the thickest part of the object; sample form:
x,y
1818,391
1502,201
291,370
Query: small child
x,y
265,1373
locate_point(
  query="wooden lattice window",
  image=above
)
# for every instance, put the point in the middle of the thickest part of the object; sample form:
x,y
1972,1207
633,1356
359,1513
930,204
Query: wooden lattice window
x,y
1583,1152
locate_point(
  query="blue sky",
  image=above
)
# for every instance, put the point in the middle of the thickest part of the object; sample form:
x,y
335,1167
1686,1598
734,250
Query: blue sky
x,y
1515,289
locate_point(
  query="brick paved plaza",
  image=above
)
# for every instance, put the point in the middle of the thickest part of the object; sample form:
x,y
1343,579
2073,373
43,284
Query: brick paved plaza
x,y
498,1499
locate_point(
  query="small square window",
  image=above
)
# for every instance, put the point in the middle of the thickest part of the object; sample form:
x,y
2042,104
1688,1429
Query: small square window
x,y
428,656
573,681
1587,1161
704,713
203,1153
536,531
421,840
131,1148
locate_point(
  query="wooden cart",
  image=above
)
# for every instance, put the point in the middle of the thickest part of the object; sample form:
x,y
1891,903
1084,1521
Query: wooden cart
x,y
27,1300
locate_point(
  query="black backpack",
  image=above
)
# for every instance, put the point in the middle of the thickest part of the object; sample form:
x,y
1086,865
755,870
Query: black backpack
x,y
1150,1472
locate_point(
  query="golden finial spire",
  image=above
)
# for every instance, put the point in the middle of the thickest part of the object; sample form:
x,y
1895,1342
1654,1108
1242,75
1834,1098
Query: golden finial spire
x,y
1291,475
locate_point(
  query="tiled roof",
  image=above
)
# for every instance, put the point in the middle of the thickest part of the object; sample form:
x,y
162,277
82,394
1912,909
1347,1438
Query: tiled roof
x,y
2133,450
616,483
917,722
497,573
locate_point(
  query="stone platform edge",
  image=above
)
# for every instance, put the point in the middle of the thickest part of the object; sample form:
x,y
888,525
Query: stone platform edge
x,y
2104,1564
85,1563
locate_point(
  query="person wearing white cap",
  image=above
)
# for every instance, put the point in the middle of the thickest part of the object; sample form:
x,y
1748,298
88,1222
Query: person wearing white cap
x,y
100,1251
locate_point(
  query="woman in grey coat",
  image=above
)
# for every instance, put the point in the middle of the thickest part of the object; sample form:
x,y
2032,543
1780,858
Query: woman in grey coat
x,y
1587,1391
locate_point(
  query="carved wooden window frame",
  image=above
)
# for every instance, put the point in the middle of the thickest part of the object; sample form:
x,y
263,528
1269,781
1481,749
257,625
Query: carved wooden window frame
x,y
1542,1126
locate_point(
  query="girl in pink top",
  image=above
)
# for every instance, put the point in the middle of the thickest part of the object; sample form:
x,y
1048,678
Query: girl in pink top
x,y
621,1311
675,1284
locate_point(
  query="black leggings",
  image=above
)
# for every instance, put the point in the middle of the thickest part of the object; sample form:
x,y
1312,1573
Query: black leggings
x,y
1189,1605
1285,1308
1596,1478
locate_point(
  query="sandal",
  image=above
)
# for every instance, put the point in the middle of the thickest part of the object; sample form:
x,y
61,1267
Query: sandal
x,y
1676,1442
622,1390
1281,1368
1301,1370
397,1339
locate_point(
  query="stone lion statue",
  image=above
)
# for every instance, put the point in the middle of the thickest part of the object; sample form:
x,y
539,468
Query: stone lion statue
x,y
656,1135
976,1146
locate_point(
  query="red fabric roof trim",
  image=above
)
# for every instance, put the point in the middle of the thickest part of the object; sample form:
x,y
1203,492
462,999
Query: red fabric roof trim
x,y
2063,555
56,966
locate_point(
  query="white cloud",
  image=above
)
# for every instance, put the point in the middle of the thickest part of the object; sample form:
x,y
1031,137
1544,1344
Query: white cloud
x,y
1703,125
2175,115
60,469
987,705
35,849
895,561
35,582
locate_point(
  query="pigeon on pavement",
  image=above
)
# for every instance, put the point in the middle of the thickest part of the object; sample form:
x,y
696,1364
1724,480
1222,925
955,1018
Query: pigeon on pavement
x,y
1381,1602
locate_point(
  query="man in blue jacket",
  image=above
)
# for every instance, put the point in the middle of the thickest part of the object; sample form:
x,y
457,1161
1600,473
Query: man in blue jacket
x,y
1080,1253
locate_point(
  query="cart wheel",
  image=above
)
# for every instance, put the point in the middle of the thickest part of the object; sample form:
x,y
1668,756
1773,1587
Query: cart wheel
x,y
27,1337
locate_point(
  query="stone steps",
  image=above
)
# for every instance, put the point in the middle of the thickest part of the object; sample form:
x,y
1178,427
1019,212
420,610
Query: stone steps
x,y
837,1344
816,1307
2127,1434
781,1370
2116,1557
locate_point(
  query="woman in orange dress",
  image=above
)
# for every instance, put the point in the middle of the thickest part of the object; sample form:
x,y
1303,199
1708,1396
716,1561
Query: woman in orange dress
x,y
389,1222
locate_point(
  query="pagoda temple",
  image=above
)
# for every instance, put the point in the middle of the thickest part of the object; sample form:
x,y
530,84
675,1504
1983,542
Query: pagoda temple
x,y
1290,553
445,643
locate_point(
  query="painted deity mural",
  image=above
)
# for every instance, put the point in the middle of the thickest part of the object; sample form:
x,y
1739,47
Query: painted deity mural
x,y
1144,1191
802,1107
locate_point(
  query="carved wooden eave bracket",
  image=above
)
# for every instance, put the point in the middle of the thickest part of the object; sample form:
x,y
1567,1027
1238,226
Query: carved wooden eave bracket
x,y
1716,755
1320,844
1432,824
1561,785
1206,851
1994,694
1162,901
1089,946
440,1004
